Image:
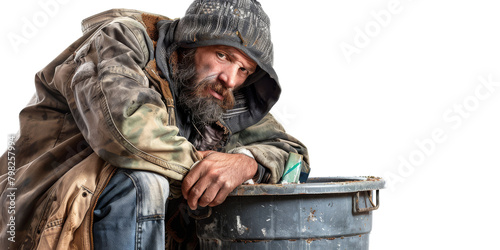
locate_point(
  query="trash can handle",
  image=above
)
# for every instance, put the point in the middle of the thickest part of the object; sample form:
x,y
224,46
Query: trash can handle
x,y
367,209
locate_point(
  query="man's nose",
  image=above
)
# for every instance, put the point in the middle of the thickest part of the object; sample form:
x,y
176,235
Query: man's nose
x,y
228,76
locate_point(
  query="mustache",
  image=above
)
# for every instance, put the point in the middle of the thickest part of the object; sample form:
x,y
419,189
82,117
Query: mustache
x,y
211,82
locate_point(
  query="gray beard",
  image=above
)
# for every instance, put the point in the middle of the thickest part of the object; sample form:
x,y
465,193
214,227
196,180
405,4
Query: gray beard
x,y
203,110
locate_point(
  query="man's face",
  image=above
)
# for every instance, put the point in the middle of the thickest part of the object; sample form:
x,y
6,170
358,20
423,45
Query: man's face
x,y
227,66
218,71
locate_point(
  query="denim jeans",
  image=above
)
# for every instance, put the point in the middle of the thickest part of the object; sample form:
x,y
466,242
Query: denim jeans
x,y
130,212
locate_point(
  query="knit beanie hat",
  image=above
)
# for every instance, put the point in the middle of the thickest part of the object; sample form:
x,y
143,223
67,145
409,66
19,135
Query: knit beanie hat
x,y
242,24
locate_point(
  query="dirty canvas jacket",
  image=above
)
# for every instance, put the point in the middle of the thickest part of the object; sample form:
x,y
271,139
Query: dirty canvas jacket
x,y
101,104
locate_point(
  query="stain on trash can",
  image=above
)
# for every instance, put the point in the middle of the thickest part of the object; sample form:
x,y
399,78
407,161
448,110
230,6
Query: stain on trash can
x,y
323,213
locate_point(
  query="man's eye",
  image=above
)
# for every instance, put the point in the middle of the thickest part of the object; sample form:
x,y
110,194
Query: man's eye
x,y
244,70
221,55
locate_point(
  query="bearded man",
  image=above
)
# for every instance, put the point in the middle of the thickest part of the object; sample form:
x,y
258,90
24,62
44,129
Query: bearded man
x,y
139,111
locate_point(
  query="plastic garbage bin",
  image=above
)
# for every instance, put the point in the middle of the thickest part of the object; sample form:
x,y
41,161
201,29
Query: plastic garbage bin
x,y
324,213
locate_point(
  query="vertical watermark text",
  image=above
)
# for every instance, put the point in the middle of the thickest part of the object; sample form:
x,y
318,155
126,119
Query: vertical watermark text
x,y
11,188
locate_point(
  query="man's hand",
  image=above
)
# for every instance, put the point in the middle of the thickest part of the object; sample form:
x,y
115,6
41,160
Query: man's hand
x,y
213,178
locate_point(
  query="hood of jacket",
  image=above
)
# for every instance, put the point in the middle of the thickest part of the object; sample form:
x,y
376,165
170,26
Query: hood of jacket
x,y
239,24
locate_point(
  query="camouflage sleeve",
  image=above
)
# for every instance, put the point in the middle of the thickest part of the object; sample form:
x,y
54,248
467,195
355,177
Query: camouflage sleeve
x,y
270,146
124,120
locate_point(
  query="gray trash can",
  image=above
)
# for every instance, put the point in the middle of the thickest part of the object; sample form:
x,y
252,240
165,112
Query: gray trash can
x,y
324,213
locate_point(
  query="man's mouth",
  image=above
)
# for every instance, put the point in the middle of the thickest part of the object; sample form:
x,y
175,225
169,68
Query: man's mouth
x,y
215,94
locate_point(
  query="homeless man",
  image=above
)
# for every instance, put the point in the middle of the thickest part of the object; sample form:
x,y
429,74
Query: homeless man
x,y
140,110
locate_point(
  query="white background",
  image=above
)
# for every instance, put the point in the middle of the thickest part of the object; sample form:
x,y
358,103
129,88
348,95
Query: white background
x,y
408,78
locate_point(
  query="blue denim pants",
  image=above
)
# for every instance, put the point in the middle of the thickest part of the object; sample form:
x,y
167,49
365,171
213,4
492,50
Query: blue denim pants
x,y
130,212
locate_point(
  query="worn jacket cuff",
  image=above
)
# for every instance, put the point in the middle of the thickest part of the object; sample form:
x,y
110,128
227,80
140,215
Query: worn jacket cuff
x,y
261,170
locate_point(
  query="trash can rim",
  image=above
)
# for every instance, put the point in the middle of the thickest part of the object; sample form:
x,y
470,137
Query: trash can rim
x,y
314,185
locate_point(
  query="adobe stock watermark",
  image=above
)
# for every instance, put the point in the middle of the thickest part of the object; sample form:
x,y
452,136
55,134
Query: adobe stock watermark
x,y
11,188
371,29
454,118
283,116
31,26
